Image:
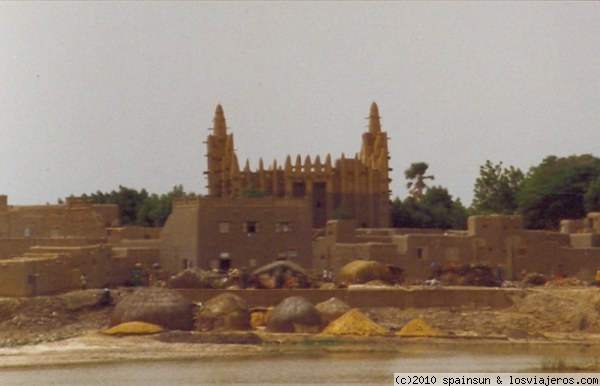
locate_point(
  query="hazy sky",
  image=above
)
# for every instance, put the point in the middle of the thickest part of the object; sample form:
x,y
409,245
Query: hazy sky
x,y
97,95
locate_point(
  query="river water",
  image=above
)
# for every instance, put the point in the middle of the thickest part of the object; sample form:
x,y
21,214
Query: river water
x,y
313,366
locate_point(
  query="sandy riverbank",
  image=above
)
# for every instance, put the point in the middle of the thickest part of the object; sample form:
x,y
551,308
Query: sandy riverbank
x,y
97,348
94,347
64,329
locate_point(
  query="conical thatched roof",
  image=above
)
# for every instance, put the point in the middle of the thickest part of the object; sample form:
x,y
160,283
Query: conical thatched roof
x,y
332,309
294,314
224,312
164,307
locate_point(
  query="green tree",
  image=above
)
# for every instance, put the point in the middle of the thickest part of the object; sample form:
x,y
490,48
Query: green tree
x,y
555,190
128,200
152,211
155,210
416,176
591,198
446,212
399,214
496,189
141,208
435,209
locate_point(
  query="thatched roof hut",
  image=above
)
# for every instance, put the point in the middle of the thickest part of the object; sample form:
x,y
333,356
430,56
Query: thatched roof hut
x,y
332,309
162,306
224,312
294,314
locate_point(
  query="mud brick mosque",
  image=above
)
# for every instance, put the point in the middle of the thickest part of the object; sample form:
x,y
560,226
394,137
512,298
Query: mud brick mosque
x,y
317,212
357,186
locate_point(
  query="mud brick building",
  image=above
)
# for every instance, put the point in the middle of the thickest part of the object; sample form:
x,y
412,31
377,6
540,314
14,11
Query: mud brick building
x,y
228,229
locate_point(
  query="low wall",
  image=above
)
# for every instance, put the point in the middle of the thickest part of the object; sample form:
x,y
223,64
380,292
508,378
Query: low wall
x,y
47,270
13,247
422,297
45,274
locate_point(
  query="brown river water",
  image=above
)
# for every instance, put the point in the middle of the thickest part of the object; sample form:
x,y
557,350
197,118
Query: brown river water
x,y
313,366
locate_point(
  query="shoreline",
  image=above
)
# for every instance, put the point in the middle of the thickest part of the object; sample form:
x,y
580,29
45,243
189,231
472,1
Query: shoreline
x,y
96,348
65,329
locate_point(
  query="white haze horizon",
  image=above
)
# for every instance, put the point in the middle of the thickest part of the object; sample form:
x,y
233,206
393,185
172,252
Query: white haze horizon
x,y
101,94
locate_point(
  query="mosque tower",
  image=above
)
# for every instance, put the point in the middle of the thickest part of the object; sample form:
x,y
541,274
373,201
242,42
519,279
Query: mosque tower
x,y
220,157
357,186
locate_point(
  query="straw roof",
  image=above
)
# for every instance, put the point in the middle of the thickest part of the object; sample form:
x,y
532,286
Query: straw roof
x,y
293,314
332,309
162,306
224,312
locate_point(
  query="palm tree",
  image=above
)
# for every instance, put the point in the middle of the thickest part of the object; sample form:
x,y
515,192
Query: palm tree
x,y
416,174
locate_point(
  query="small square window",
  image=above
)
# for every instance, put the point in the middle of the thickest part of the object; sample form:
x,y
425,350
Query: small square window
x,y
250,227
283,227
224,226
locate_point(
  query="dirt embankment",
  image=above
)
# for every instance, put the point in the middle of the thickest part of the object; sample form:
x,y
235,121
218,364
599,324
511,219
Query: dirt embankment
x,y
51,318
537,313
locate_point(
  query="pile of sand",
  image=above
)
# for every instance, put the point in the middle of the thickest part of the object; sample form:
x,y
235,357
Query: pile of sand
x,y
259,317
418,327
133,328
354,322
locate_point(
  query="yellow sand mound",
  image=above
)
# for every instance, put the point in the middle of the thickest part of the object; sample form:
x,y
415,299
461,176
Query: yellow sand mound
x,y
258,318
133,328
354,322
418,327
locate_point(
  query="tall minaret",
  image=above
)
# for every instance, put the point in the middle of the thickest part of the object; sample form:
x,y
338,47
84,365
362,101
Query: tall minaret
x,y
219,152
377,139
379,153
374,155
374,123
366,151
